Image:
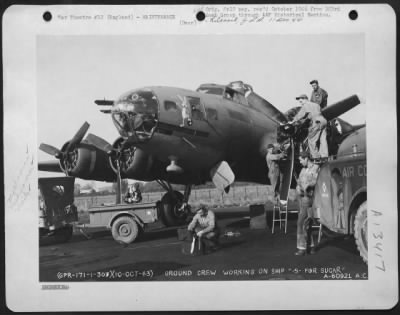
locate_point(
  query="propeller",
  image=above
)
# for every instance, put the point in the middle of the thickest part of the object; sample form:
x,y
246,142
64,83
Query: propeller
x,y
99,143
339,108
49,149
66,155
292,131
280,119
77,138
266,107
115,153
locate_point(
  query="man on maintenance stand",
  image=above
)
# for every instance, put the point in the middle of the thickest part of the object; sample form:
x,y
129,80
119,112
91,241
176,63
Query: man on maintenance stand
x,y
317,142
305,190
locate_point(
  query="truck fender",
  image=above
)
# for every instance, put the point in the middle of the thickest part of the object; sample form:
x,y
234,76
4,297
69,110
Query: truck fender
x,y
127,213
358,198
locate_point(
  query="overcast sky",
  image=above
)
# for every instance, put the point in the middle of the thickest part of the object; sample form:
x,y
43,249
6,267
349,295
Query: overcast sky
x,y
73,71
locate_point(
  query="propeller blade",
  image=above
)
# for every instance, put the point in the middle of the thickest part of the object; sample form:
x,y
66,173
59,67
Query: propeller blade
x,y
99,142
257,102
339,108
49,149
78,136
287,167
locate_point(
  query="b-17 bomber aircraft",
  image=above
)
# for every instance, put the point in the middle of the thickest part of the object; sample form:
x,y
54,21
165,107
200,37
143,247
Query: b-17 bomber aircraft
x,y
217,133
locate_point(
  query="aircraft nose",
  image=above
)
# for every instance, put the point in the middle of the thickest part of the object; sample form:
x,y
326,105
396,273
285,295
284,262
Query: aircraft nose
x,y
135,114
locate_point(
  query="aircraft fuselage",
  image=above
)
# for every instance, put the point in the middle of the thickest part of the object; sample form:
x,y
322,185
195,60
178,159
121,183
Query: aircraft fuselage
x,y
221,129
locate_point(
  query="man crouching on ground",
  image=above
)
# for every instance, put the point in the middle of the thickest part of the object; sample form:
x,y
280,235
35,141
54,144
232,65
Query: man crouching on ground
x,y
205,227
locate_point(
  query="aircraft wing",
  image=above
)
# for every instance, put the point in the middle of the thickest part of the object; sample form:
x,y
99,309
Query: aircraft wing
x,y
50,166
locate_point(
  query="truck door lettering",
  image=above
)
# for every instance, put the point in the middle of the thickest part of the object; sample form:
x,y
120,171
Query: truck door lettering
x,y
362,170
348,171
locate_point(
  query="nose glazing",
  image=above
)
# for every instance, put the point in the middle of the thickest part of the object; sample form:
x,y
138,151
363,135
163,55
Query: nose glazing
x,y
135,114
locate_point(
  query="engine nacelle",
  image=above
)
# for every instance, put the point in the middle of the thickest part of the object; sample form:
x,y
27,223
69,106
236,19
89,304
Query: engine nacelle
x,y
135,163
87,162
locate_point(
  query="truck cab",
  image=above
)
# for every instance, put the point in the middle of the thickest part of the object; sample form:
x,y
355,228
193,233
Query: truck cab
x,y
340,198
57,211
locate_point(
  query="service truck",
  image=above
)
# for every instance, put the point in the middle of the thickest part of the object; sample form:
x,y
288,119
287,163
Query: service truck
x,y
340,198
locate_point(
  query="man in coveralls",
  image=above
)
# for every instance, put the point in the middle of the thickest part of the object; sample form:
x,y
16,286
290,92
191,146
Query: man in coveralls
x,y
274,173
305,189
317,142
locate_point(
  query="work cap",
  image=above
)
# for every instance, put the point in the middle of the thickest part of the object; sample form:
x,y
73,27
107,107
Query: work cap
x,y
304,154
302,96
314,81
201,207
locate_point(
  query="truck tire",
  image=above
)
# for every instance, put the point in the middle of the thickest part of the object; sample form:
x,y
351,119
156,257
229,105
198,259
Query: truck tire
x,y
361,231
125,230
169,206
63,234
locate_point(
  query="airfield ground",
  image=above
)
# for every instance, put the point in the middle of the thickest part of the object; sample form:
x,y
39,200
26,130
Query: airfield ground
x,y
256,254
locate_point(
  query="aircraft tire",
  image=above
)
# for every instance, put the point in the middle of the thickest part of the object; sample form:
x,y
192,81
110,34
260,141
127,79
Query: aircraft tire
x,y
125,230
169,212
361,231
63,234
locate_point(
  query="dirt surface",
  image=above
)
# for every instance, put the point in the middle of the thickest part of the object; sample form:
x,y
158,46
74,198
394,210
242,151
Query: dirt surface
x,y
255,254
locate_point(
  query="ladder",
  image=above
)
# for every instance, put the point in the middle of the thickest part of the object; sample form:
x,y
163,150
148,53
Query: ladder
x,y
279,214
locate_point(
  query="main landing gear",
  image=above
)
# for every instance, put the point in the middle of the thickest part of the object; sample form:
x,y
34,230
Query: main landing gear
x,y
174,206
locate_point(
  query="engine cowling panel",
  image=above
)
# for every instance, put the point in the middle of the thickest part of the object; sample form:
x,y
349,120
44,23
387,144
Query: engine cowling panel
x,y
134,162
87,162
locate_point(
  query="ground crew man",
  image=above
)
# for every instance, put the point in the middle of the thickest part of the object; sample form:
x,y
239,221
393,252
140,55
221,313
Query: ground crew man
x,y
305,189
133,195
274,173
317,142
318,95
204,226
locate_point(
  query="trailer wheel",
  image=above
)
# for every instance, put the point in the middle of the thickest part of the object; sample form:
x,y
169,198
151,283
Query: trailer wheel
x,y
361,231
63,234
170,209
125,230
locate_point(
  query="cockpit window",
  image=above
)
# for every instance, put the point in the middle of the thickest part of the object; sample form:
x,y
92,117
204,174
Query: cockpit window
x,y
235,96
211,90
170,106
197,108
